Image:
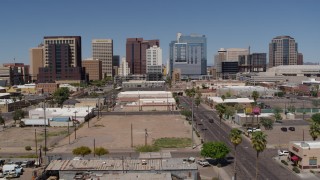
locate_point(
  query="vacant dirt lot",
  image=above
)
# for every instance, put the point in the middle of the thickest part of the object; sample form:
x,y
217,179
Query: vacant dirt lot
x,y
114,132
15,139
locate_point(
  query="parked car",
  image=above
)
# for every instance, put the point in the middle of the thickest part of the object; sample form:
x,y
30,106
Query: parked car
x,y
77,158
283,152
284,129
292,128
191,159
203,163
251,130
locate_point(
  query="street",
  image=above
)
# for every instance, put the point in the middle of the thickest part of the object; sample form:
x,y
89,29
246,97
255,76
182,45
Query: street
x,y
246,164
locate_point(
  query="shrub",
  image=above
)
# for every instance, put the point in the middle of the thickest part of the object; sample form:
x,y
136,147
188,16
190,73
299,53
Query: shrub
x,y
296,170
284,162
28,148
312,171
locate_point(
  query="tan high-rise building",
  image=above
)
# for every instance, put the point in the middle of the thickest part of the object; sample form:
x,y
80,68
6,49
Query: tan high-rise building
x,y
36,61
93,68
283,50
102,49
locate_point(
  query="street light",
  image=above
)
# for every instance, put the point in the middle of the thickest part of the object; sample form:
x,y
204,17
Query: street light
x,y
88,116
75,124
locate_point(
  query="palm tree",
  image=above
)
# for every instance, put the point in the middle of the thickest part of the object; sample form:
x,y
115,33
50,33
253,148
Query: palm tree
x,y
259,143
236,139
255,96
221,109
314,130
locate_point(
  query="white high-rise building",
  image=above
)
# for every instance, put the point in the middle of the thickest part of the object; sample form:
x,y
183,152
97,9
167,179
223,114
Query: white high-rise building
x,y
102,49
124,69
154,59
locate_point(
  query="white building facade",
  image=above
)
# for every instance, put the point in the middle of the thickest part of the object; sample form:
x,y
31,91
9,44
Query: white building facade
x,y
124,69
154,59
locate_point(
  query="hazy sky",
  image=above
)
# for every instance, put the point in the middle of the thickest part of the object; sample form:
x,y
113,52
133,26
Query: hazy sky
x,y
227,24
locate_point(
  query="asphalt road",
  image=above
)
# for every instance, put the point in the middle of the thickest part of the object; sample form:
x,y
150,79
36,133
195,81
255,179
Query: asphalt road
x,y
246,164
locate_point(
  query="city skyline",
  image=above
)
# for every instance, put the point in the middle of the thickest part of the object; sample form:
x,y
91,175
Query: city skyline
x,y
228,24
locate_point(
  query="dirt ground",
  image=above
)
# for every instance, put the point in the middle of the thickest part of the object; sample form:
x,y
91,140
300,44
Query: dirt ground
x,y
111,132
114,132
15,139
277,137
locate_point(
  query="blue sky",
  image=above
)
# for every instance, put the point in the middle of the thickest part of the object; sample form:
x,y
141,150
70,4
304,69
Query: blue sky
x,y
227,24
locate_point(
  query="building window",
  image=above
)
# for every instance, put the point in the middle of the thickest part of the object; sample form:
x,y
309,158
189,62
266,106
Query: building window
x,y
312,161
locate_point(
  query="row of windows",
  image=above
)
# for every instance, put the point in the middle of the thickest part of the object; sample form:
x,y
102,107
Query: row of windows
x,y
59,41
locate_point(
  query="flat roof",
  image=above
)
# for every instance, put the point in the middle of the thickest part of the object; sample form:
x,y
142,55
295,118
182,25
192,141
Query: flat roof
x,y
119,165
236,100
307,144
144,92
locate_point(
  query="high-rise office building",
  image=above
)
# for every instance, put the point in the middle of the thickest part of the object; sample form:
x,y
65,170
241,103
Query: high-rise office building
x,y
93,68
36,61
255,62
19,73
102,49
189,54
154,63
230,55
124,69
283,50
115,64
136,54
300,59
62,60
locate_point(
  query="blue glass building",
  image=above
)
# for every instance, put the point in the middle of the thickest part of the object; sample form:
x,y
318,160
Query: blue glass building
x,y
189,54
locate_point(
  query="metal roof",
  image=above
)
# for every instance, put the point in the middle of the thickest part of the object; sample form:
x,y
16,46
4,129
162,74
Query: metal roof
x,y
121,165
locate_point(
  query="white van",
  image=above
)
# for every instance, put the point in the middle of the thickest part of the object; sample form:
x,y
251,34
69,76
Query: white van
x,y
12,170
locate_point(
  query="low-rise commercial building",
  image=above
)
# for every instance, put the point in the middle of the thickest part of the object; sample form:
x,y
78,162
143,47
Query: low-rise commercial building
x,y
306,154
143,84
46,88
67,169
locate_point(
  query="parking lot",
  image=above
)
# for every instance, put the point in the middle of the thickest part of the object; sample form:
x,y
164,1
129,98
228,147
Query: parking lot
x,y
279,138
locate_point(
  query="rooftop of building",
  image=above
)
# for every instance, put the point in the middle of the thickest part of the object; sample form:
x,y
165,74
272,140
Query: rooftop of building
x,y
307,144
143,92
295,67
120,165
233,100
80,111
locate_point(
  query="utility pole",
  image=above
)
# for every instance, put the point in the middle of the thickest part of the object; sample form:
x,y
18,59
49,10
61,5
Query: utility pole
x,y
303,111
75,125
69,131
145,136
94,147
45,128
131,136
35,138
192,138
88,116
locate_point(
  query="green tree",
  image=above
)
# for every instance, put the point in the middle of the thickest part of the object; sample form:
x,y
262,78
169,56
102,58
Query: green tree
x,y
82,150
169,82
60,95
267,123
230,111
197,101
223,97
292,109
17,115
177,100
259,143
236,139
100,151
228,94
215,150
255,95
276,112
186,113
221,110
316,118
314,130
190,92
2,121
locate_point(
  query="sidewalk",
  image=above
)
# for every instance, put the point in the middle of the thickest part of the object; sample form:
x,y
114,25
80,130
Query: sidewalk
x,y
304,174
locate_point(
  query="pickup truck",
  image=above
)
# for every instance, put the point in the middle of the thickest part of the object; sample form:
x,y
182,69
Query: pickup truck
x,y
203,163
